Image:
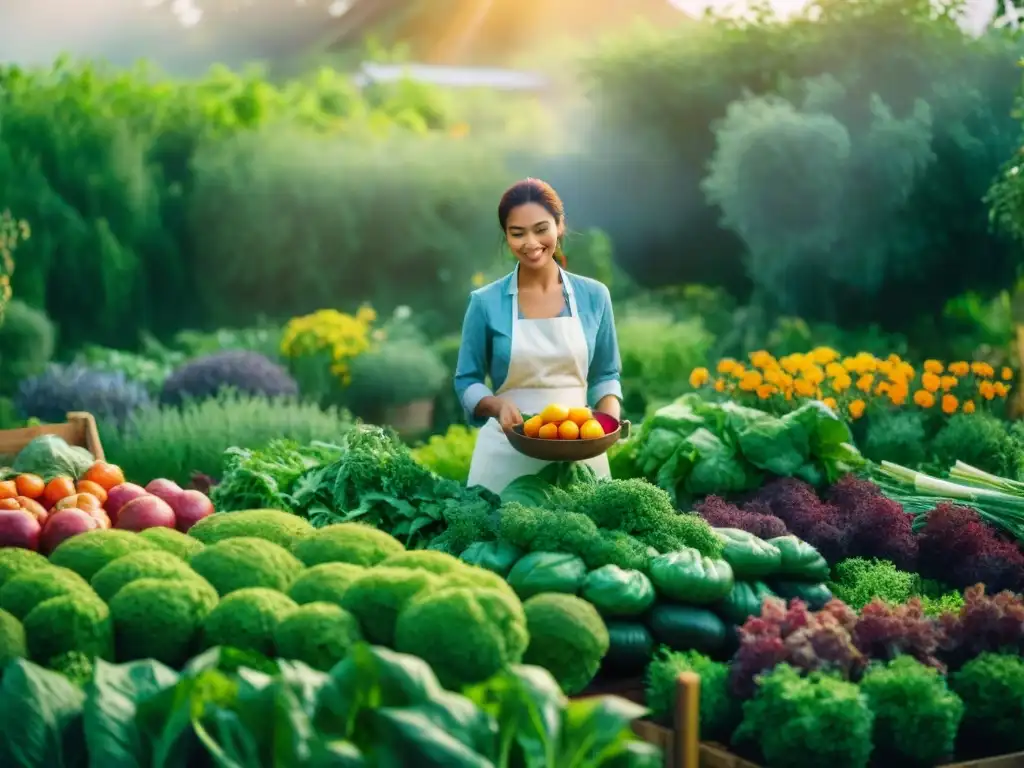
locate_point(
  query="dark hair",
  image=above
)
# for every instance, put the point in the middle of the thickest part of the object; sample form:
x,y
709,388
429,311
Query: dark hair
x,y
533,191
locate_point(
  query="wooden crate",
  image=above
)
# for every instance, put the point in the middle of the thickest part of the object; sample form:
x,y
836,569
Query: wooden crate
x,y
79,429
682,747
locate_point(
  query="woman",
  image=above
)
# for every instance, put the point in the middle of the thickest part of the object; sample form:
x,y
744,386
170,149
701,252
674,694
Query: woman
x,y
543,336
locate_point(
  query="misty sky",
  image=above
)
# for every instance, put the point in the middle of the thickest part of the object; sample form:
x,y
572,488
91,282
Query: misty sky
x,y
36,31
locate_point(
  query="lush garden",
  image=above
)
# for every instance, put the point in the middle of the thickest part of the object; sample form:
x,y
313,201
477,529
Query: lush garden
x,y
820,508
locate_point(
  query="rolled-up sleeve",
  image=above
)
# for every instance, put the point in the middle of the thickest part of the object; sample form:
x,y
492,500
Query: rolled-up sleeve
x,y
471,371
606,368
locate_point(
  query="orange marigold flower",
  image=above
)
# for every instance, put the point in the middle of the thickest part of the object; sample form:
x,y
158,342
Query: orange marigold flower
x,y
969,406
949,404
924,398
699,377
856,408
930,381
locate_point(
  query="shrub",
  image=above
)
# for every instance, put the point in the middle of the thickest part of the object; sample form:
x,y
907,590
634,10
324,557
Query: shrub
x,y
151,372
247,619
394,374
989,686
243,563
319,634
59,389
281,528
160,619
248,373
176,442
27,340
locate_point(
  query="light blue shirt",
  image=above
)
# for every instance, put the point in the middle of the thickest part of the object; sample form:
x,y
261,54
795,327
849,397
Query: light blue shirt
x,y
487,340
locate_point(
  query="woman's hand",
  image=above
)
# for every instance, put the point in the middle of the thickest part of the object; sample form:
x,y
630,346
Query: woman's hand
x,y
503,411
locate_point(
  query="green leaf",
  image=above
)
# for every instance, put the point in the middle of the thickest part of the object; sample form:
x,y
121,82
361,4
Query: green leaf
x,y
112,698
596,729
40,718
408,737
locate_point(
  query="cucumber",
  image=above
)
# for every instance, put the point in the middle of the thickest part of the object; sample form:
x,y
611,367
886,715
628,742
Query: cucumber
x,y
684,627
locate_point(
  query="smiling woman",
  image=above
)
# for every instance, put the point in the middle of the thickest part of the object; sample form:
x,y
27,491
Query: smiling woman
x,y
541,334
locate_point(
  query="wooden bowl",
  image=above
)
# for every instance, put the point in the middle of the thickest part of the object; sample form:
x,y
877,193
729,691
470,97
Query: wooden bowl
x,y
569,450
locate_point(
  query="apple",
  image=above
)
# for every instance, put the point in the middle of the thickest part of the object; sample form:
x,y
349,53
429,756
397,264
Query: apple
x,y
19,528
120,495
63,525
190,507
145,512
164,489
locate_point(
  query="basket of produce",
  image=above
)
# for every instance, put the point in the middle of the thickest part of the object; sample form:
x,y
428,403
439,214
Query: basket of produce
x,y
79,431
567,434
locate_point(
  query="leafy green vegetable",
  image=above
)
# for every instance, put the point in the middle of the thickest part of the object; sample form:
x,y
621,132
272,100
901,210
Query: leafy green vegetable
x,y
719,709
743,601
617,592
495,556
450,454
749,556
40,718
682,627
858,581
547,572
989,686
567,638
50,456
799,559
690,578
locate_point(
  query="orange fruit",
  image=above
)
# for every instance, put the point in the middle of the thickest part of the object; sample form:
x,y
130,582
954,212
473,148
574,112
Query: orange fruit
x,y
568,430
94,488
580,416
30,485
548,432
554,414
57,489
8,489
104,475
531,427
591,430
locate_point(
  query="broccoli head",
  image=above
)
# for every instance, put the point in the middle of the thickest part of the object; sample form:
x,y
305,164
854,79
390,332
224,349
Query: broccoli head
x,y
325,583
246,562
273,525
75,666
28,589
681,531
142,565
567,638
378,596
69,623
618,548
544,530
161,619
318,634
87,552
425,560
12,639
15,560
171,541
247,620
466,635
632,506
347,543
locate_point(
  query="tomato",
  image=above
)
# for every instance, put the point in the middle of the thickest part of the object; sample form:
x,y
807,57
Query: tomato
x,y
9,504
31,486
104,475
97,490
8,489
84,501
33,507
57,489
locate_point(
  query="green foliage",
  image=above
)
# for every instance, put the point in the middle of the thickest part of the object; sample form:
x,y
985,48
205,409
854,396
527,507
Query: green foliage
x,y
988,686
981,440
450,454
245,563
145,370
896,435
27,342
395,373
875,120
719,709
857,582
86,553
177,442
806,722
273,525
916,716
318,634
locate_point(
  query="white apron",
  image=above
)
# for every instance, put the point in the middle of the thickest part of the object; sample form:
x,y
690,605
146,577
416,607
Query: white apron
x,y
548,364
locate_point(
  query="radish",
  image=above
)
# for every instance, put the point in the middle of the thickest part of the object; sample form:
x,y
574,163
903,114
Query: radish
x,y
164,489
145,512
63,525
19,528
190,507
120,495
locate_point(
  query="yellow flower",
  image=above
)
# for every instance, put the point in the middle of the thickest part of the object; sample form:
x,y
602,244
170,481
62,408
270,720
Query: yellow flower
x,y
883,388
841,383
930,381
933,366
986,389
969,406
1000,389
720,385
948,382
924,398
761,359
813,374
856,408
765,391
984,370
864,382
823,355
478,280
898,395
726,366
834,369
792,364
831,403
750,381
949,404
1006,374
699,377
774,376
804,388
960,368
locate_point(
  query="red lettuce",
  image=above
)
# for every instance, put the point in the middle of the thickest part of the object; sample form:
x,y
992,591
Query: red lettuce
x,y
985,623
876,526
806,516
753,518
956,547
